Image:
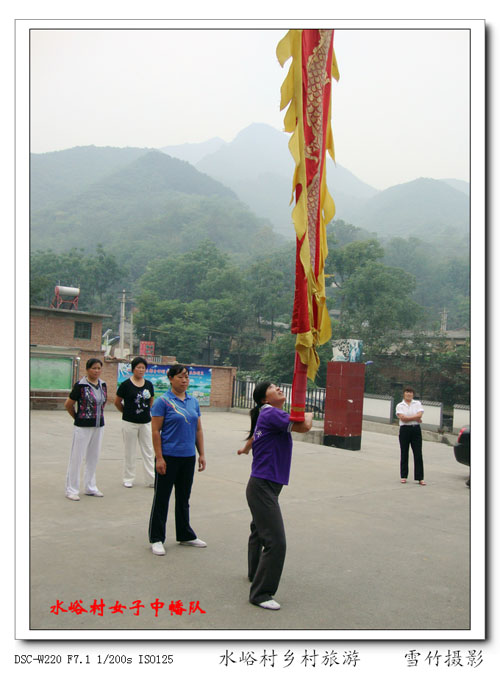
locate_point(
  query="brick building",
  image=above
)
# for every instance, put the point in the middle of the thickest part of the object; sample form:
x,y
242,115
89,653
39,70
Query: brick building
x,y
61,342
76,330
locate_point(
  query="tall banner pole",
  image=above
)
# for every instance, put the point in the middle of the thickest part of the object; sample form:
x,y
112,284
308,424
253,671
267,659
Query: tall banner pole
x,y
306,91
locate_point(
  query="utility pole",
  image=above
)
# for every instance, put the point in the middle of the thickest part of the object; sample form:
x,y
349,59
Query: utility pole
x,y
132,330
122,324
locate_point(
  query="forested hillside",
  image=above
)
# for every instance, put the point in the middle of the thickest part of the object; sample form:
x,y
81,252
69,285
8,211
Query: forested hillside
x,y
258,166
58,176
147,208
424,208
211,281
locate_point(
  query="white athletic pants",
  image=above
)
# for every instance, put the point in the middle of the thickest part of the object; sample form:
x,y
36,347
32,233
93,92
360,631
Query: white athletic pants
x,y
133,434
86,445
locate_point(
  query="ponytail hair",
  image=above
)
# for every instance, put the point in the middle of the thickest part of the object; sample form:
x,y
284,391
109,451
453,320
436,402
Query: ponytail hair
x,y
259,395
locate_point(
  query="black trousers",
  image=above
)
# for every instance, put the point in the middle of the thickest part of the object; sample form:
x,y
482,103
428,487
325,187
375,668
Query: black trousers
x,y
180,472
267,541
411,435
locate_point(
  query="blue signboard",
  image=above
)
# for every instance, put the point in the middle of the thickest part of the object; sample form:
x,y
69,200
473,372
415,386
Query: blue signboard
x,y
200,380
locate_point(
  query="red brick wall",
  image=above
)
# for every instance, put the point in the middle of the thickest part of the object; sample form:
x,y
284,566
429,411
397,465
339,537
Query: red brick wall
x,y
109,374
222,386
220,394
50,327
56,328
48,400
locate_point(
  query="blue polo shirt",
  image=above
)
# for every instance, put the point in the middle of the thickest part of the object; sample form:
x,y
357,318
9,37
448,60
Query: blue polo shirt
x,y
180,421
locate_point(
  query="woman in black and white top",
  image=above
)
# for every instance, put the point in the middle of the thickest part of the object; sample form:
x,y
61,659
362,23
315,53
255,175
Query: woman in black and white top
x,y
134,398
89,395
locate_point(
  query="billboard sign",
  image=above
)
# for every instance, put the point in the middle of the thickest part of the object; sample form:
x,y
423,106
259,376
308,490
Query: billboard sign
x,y
200,380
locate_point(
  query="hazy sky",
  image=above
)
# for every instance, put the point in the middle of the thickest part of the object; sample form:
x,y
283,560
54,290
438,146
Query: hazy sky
x,y
400,110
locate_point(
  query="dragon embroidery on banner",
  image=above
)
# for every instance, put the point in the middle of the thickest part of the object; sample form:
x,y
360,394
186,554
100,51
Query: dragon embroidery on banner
x,y
306,93
317,77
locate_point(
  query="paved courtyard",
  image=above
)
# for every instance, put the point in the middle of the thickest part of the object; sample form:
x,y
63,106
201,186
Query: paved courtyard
x,y
364,552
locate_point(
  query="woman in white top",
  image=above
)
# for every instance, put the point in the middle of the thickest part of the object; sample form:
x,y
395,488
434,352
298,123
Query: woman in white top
x,y
134,399
409,412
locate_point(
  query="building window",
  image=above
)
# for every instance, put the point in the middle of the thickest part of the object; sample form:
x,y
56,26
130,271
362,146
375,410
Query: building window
x,y
82,330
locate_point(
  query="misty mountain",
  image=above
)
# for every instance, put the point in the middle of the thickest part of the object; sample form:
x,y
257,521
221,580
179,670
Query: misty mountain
x,y
460,185
150,207
143,204
147,203
424,208
258,167
59,175
193,153
255,149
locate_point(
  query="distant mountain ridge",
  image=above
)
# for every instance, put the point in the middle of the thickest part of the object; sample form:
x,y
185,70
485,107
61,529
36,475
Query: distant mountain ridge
x,y
151,206
238,193
422,208
258,167
459,185
58,175
193,153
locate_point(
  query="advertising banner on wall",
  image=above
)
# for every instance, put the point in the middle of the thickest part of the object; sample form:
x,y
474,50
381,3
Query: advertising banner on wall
x,y
347,350
200,380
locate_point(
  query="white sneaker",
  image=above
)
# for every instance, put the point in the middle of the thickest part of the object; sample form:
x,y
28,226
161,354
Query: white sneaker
x,y
270,605
73,497
127,484
194,542
97,493
158,549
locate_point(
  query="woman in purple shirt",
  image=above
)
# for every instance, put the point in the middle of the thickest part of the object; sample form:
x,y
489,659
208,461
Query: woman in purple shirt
x,y
271,442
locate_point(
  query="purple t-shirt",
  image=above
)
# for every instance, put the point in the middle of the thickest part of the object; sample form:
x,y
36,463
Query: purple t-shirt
x,y
272,445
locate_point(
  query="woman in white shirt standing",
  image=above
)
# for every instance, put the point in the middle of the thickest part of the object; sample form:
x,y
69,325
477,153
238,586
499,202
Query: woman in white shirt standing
x,y
134,399
409,412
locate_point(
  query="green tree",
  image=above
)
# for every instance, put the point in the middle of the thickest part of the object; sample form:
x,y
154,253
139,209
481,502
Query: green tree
x,y
278,361
442,281
343,262
202,289
103,273
182,338
48,269
437,369
96,274
452,367
226,319
184,276
377,302
270,291
339,233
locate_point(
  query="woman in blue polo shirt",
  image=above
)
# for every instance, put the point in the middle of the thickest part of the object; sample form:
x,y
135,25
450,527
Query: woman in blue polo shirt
x,y
177,434
271,442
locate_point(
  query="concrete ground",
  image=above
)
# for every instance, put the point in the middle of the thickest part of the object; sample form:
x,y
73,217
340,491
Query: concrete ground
x,y
364,552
